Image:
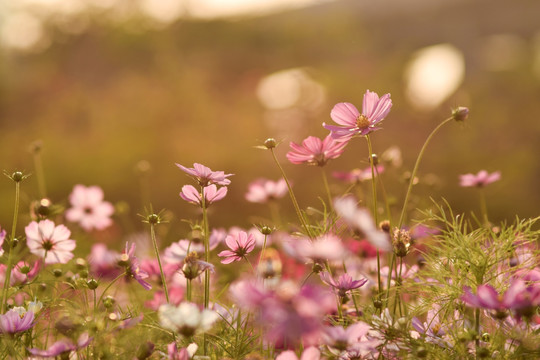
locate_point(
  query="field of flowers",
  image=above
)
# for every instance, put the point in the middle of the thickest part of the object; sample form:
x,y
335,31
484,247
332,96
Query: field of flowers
x,y
349,279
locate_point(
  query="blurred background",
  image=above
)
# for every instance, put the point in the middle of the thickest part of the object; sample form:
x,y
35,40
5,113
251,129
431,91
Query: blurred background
x,y
118,91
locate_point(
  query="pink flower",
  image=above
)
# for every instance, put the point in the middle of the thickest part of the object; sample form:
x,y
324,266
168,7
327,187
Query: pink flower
x,y
325,247
313,151
311,353
88,208
205,176
240,245
103,262
344,283
352,123
2,238
262,190
62,347
13,322
51,242
133,269
211,194
357,175
176,295
360,219
481,179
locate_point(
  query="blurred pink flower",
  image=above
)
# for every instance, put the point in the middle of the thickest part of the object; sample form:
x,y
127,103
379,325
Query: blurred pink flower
x,y
263,190
481,179
2,238
103,262
324,247
88,208
211,194
176,295
133,269
357,175
361,219
205,176
240,245
343,284
315,151
64,346
14,322
51,242
352,123
311,353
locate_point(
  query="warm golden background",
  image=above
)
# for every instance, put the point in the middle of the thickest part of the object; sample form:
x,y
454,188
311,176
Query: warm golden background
x,y
105,84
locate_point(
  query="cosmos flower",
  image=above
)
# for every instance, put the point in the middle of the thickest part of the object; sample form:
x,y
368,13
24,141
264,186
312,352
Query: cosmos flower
x,y
351,122
325,247
357,175
186,319
240,245
88,208
16,320
360,219
51,242
343,284
481,179
211,194
262,190
132,266
311,353
204,176
315,151
62,347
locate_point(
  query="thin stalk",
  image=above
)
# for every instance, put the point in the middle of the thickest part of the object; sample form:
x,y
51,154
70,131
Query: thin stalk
x,y
9,264
188,290
291,194
385,197
327,188
262,254
375,211
154,242
413,175
483,207
38,165
206,241
108,286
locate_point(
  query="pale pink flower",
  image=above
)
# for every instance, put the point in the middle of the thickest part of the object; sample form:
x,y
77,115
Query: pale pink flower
x,y
211,194
325,247
343,284
263,190
205,176
14,322
315,151
21,273
351,122
481,179
51,242
240,245
357,175
61,347
103,262
2,238
132,266
310,353
88,208
361,219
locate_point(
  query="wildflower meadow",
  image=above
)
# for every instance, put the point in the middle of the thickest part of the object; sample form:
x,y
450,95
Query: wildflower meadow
x,y
359,276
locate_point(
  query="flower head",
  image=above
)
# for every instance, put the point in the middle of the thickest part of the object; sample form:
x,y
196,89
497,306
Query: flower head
x,y
481,179
186,319
51,242
351,122
205,176
240,245
133,268
211,194
61,347
263,190
343,284
88,208
315,151
324,247
16,320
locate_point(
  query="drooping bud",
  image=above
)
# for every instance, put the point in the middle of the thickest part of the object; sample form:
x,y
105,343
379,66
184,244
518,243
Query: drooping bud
x,y
460,113
270,143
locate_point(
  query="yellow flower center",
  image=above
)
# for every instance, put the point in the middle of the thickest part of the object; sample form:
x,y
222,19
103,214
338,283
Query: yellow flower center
x,y
362,122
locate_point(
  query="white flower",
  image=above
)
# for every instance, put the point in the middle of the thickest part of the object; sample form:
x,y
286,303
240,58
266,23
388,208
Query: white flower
x,y
186,318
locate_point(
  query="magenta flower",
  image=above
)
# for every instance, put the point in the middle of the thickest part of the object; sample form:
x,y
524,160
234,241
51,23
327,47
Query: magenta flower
x,y
62,347
14,322
481,179
240,245
343,284
51,242
263,190
88,208
315,151
211,194
205,176
351,122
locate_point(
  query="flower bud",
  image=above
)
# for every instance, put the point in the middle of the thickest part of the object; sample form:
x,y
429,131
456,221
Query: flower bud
x,y
421,352
270,143
375,159
460,113
385,226
486,337
92,284
153,219
57,272
266,230
401,242
108,302
80,263
17,176
377,303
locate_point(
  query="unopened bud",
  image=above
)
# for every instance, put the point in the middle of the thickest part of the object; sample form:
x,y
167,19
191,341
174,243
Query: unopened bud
x,y
385,226
270,143
377,303
57,272
108,302
92,284
375,159
266,230
153,219
460,113
486,337
17,176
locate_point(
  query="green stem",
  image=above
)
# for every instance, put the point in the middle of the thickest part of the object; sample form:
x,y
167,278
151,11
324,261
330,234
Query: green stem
x,y
327,188
413,175
9,264
154,242
206,241
293,198
108,286
188,290
483,208
38,165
